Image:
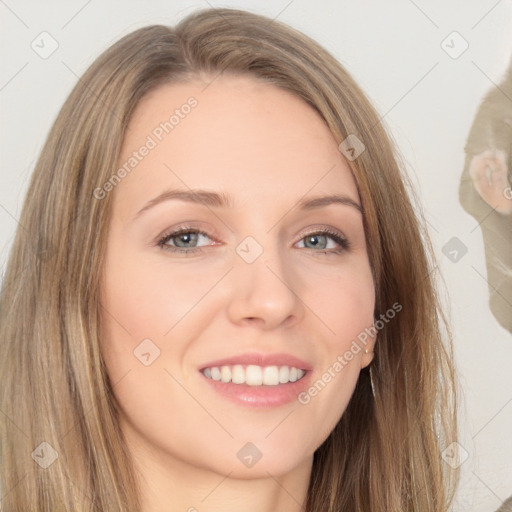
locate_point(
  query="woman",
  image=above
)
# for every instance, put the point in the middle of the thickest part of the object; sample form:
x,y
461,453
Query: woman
x,y
225,299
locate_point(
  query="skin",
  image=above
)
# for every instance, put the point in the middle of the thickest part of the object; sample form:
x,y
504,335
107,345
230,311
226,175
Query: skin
x,y
267,149
489,173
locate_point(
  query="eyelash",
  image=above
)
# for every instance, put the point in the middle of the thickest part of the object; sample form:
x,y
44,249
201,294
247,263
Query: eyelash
x,y
345,245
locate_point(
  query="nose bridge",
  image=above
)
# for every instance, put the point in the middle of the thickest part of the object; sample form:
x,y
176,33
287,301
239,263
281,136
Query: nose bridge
x,y
263,261
263,287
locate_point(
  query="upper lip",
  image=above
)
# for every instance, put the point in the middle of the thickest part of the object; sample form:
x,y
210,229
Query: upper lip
x,y
280,359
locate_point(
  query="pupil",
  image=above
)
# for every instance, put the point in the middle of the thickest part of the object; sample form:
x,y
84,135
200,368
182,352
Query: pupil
x,y
314,240
185,238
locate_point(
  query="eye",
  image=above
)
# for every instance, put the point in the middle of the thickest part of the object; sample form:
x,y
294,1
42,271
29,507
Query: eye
x,y
319,242
183,240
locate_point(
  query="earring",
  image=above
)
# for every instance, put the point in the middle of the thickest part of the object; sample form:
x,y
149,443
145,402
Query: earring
x,y
366,351
371,382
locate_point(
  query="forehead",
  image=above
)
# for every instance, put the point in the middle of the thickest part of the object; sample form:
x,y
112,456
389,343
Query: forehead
x,y
234,134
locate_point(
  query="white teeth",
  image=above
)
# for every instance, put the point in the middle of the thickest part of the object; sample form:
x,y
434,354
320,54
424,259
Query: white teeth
x,y
225,374
215,373
237,374
271,376
254,375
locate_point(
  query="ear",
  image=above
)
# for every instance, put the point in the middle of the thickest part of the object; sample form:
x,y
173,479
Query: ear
x,y
368,351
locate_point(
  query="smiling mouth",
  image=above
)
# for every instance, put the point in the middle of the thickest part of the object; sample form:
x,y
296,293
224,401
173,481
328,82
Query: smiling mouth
x,y
254,375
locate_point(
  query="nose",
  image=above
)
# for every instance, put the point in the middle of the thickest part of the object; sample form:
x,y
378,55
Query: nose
x,y
263,292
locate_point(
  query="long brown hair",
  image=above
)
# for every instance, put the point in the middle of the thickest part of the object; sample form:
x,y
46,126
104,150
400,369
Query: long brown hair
x,y
384,454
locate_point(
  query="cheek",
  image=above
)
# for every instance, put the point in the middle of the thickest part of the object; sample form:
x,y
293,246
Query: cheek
x,y
344,306
146,300
343,302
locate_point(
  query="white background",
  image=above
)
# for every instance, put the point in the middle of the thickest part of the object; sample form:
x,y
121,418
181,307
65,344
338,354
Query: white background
x,y
393,49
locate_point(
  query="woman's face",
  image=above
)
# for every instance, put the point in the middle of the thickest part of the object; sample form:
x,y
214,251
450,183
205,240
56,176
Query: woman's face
x,y
261,285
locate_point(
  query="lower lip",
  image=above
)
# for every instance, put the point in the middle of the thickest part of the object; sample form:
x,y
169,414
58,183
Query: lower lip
x,y
260,396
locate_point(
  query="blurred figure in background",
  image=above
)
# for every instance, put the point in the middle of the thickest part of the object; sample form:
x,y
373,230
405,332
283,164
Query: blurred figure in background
x,y
506,507
485,191
486,194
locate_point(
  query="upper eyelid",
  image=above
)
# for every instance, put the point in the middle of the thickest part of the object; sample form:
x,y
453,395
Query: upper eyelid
x,y
183,230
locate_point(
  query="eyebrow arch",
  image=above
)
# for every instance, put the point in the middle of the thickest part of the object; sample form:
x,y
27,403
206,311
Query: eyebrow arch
x,y
318,202
213,199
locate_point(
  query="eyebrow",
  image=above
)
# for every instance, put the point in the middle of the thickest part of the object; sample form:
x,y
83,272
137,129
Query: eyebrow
x,y
216,200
